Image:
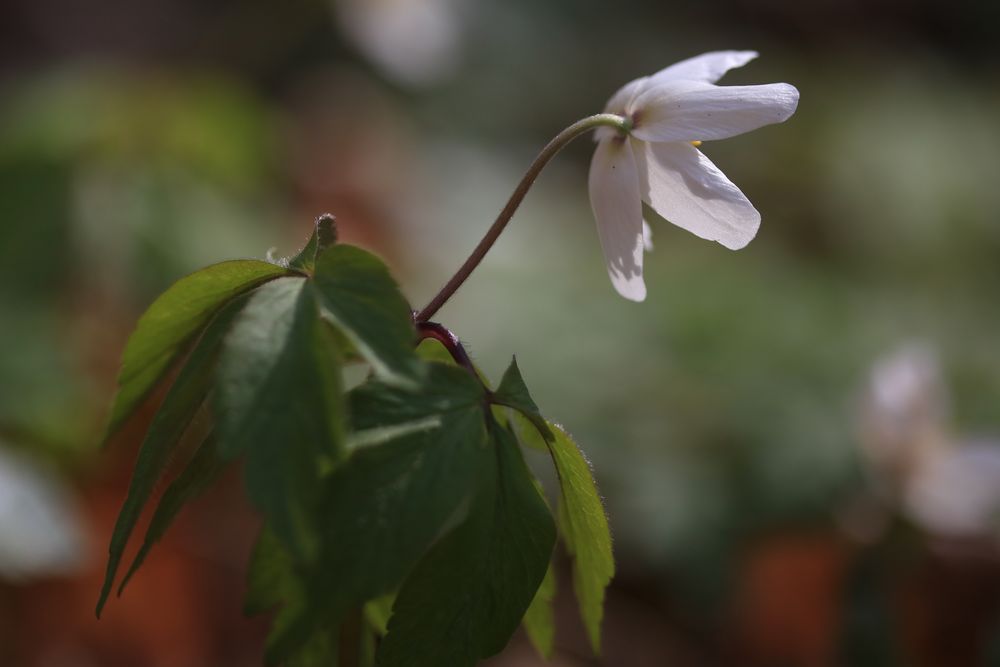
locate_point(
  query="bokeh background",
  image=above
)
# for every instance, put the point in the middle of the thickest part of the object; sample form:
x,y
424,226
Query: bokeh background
x,y
799,443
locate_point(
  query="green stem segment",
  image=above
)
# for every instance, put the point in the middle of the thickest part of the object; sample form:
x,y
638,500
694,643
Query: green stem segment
x,y
550,150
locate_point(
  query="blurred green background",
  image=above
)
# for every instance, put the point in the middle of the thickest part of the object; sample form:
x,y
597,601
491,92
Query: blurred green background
x,y
729,418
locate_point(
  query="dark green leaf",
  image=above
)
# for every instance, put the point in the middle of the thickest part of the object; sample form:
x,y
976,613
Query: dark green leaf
x,y
186,395
539,620
320,651
584,528
323,236
278,401
445,390
272,582
362,299
413,461
467,596
513,393
200,472
173,319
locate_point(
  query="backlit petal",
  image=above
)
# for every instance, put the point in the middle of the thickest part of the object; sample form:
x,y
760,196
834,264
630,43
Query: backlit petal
x,y
708,67
683,186
618,104
689,110
647,236
614,196
620,100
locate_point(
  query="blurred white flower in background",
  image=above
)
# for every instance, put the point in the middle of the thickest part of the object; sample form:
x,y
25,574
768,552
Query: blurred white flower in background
x,y
658,162
41,533
946,484
414,42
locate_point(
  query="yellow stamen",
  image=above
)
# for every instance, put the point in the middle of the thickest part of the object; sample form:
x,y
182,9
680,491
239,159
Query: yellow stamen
x,y
696,143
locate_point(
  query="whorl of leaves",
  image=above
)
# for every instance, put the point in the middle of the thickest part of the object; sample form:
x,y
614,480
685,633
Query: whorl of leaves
x,y
403,506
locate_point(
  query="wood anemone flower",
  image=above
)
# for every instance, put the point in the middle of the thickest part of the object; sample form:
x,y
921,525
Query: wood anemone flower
x,y
657,160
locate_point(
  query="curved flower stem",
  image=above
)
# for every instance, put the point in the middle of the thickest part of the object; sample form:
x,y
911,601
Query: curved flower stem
x,y
553,147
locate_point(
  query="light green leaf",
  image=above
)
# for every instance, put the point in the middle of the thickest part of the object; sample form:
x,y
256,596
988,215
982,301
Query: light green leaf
x,y
584,528
378,611
172,321
539,621
278,400
513,393
323,236
362,299
200,472
431,349
186,395
390,499
467,596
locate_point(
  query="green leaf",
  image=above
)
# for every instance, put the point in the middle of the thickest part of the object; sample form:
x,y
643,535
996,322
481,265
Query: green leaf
x,y
539,621
378,611
186,395
584,528
513,393
526,432
431,349
278,400
323,236
173,320
272,582
204,467
320,651
467,596
361,298
414,460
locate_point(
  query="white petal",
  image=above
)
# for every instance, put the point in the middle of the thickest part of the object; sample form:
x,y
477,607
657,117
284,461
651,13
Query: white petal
x,y
647,237
683,186
690,110
620,100
614,196
708,67
618,104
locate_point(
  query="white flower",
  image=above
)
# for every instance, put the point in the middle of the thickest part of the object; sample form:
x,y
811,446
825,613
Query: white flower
x,y
658,161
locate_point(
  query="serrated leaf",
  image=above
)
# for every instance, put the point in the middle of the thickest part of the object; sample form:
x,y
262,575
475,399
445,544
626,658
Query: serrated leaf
x,y
172,321
584,529
513,393
278,401
467,596
360,296
323,236
204,467
390,499
539,621
180,405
